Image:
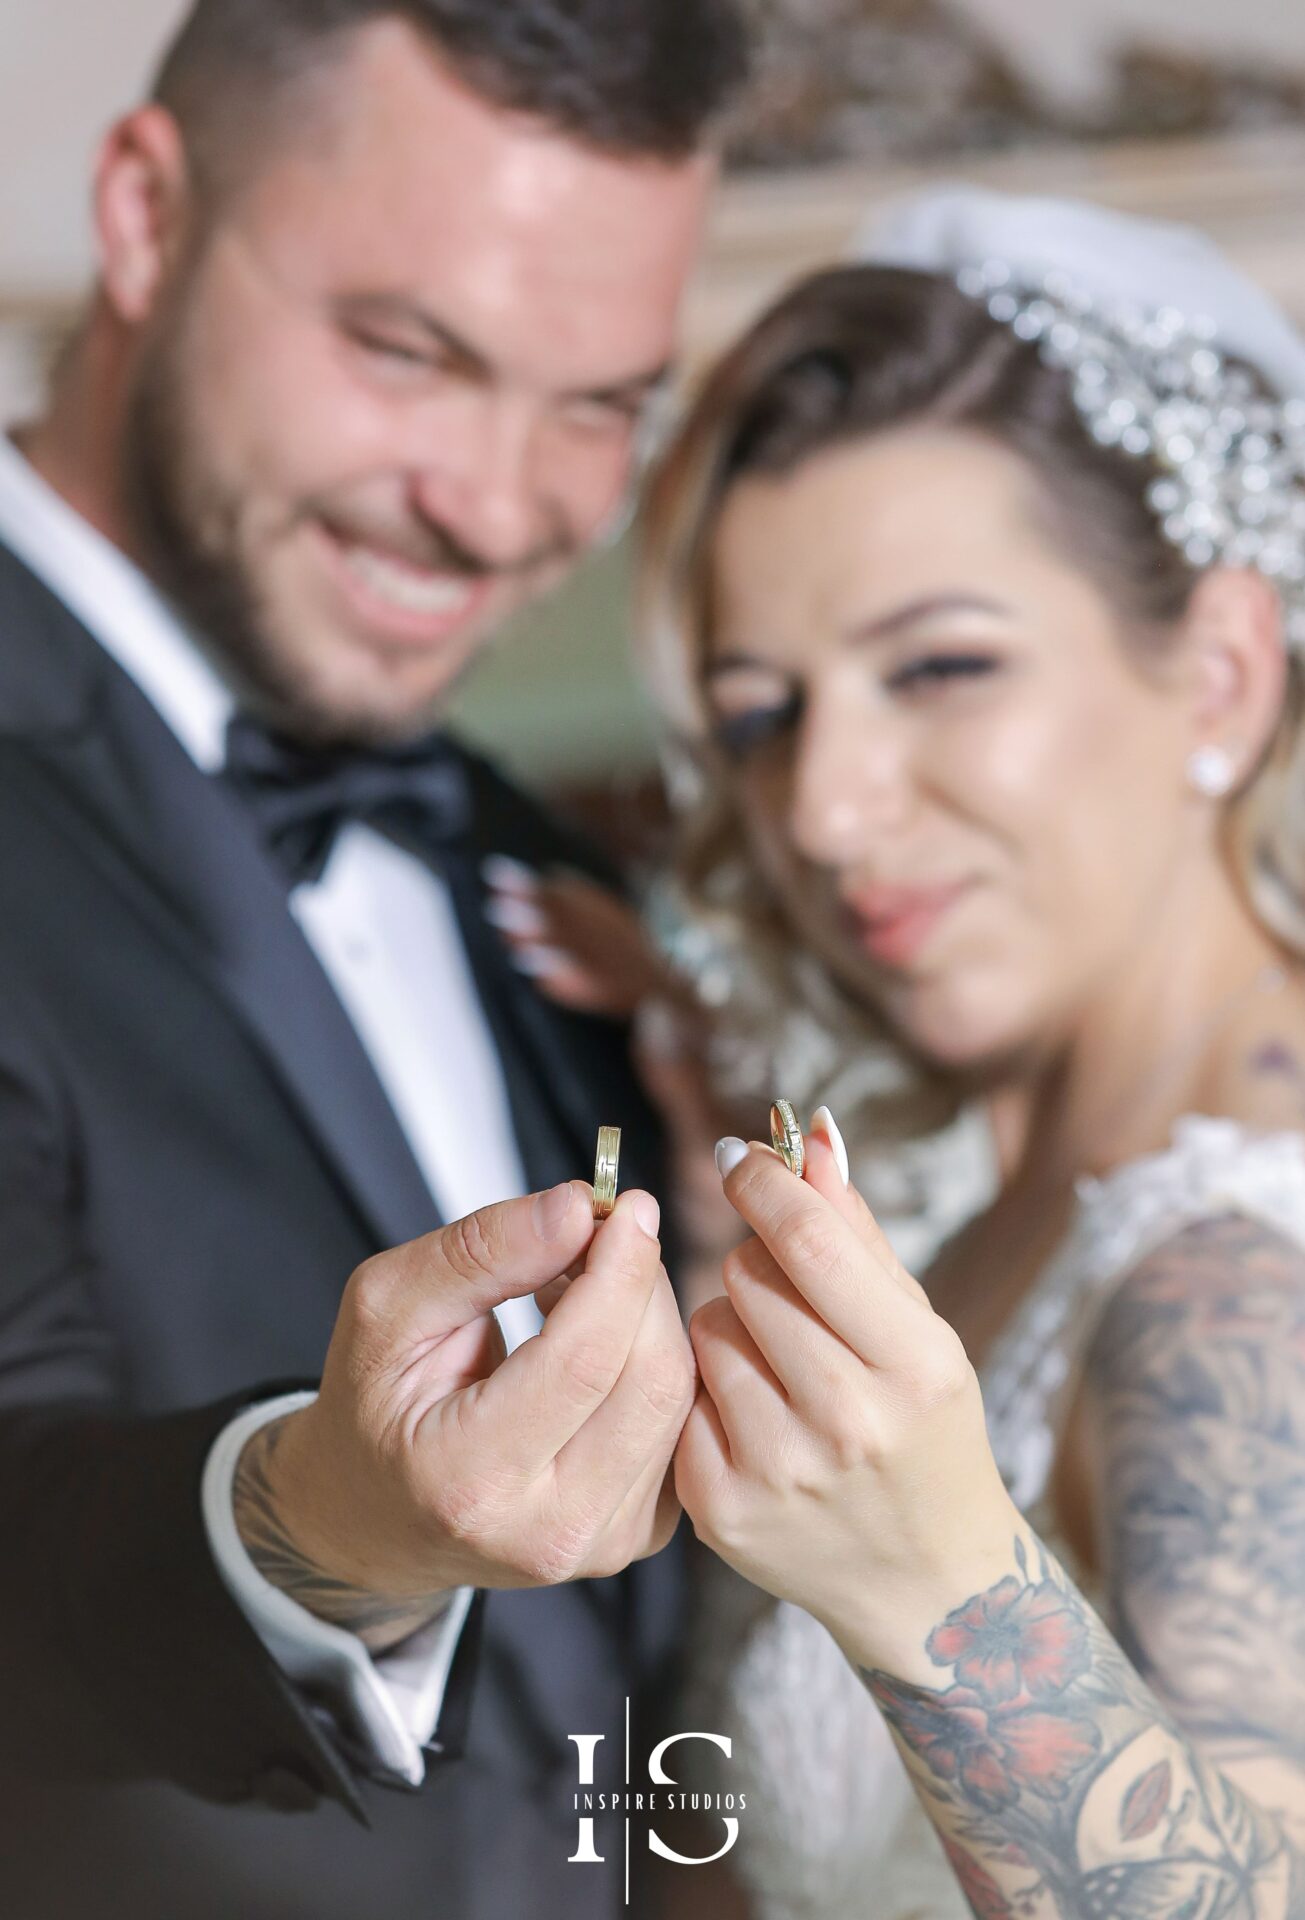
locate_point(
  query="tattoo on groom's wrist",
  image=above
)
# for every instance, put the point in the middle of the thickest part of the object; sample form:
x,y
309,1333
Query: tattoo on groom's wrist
x,y
379,1620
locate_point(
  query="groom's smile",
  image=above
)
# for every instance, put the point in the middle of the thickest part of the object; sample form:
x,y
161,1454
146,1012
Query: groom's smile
x,y
356,445
400,602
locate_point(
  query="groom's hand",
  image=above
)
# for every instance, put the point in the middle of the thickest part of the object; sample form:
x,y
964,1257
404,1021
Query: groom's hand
x,y
430,1461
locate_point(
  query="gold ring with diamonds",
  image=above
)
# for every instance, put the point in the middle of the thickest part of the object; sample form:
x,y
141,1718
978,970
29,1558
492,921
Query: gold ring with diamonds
x,y
786,1137
606,1167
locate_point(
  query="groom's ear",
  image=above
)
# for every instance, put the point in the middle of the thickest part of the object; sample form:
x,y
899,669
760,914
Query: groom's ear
x,y
141,209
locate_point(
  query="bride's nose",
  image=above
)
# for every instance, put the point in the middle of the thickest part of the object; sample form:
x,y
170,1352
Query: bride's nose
x,y
851,779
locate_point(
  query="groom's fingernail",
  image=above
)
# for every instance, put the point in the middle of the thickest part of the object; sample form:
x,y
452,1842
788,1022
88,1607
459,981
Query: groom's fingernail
x,y
648,1214
823,1121
729,1152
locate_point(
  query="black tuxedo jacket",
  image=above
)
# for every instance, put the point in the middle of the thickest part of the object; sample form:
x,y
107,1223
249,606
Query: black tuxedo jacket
x,y
195,1153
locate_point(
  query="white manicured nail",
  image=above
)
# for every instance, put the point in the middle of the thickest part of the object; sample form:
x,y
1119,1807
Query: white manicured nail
x,y
512,914
823,1121
729,1152
537,963
513,876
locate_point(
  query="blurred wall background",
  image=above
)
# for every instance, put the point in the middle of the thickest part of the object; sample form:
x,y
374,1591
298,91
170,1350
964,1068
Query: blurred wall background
x,y
1187,109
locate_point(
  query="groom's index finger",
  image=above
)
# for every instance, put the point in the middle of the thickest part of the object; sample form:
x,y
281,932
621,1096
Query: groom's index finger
x,y
545,1392
463,1270
845,1272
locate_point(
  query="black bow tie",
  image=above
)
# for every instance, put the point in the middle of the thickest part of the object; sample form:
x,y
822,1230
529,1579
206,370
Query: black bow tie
x,y
301,797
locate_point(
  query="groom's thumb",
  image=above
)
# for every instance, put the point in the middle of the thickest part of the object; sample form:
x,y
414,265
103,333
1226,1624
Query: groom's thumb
x,y
432,1286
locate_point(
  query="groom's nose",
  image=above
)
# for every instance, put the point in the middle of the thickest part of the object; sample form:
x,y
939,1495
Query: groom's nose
x,y
483,488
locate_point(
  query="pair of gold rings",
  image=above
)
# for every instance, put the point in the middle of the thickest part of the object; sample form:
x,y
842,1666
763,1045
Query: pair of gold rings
x,y
785,1135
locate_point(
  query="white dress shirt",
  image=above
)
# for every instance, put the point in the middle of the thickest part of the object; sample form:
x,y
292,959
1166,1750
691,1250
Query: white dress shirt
x,y
383,928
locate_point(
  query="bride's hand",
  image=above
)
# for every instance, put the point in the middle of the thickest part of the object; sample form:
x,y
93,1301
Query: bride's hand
x,y
836,1454
583,945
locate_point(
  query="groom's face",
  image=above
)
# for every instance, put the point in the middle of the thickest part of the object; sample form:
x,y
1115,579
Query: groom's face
x,y
393,388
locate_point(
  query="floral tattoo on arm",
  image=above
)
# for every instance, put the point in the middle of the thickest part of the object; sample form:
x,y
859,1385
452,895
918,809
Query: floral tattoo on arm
x,y
1069,1779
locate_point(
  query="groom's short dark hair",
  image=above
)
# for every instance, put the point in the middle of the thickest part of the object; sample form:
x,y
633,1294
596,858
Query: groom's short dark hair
x,y
636,77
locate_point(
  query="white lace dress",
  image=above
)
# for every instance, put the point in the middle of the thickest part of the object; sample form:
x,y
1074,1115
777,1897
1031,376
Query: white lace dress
x,y
833,1830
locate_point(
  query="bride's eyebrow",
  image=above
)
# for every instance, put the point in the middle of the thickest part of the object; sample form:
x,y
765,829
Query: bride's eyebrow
x,y
738,660
887,626
931,607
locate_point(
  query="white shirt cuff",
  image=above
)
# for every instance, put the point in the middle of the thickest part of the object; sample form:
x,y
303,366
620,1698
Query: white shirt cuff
x,y
391,1703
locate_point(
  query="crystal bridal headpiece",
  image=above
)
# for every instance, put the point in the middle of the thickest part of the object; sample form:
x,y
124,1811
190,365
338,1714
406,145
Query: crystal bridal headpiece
x,y
1173,355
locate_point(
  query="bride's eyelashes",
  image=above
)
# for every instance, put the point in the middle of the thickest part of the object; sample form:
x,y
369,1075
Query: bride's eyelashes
x,y
740,734
934,671
762,722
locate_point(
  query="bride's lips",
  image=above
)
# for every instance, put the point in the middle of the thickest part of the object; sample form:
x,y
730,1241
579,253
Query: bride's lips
x,y
397,601
895,924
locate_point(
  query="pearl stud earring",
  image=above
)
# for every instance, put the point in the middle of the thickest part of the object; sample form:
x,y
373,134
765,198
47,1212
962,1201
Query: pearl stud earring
x,y
1212,771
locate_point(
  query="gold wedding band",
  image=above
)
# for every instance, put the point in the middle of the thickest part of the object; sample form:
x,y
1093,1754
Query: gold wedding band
x,y
606,1167
786,1137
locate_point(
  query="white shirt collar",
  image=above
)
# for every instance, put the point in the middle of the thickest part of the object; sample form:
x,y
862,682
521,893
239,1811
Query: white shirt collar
x,y
118,605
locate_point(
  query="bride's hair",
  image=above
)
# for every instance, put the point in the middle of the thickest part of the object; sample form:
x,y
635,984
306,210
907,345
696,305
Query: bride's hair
x,y
847,354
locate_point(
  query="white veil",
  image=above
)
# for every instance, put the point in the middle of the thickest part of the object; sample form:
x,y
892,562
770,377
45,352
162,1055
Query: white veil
x,y
1148,264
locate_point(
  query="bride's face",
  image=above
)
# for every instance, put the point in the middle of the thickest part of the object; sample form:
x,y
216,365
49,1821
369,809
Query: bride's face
x,y
968,794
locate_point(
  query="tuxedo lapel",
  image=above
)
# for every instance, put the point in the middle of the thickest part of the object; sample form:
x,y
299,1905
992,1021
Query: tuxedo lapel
x,y
555,1061
182,849
539,1071
188,855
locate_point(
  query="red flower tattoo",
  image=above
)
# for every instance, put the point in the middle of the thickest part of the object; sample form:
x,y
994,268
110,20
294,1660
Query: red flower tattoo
x,y
952,1734
1046,1753
978,1885
991,1757
1013,1641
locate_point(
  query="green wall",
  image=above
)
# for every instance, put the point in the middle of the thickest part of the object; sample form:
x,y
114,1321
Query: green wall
x,y
556,698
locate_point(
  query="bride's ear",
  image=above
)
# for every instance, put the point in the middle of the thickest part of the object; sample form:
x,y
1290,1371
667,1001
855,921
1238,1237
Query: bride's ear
x,y
1238,664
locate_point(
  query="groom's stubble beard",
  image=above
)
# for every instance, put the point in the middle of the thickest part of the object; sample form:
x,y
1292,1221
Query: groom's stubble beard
x,y
184,526
185,522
